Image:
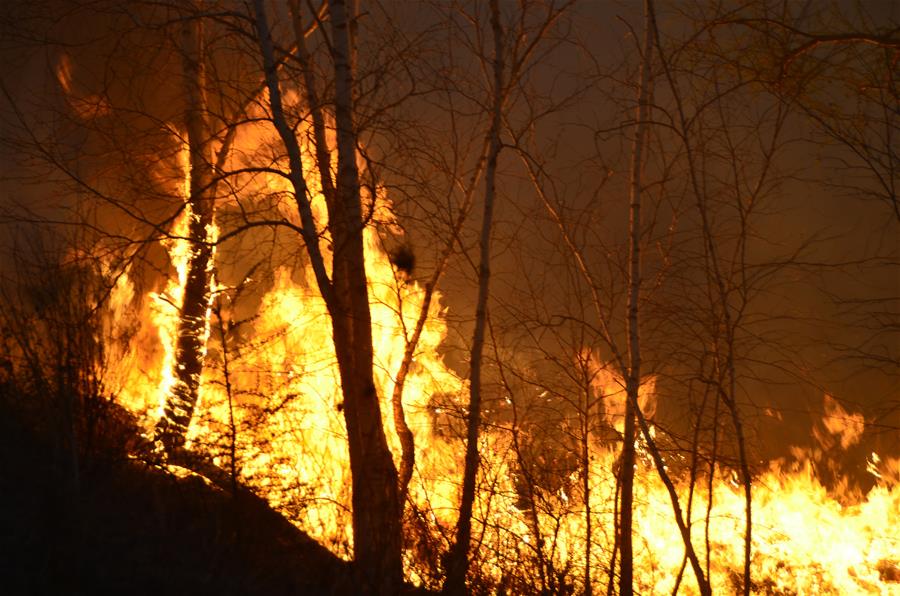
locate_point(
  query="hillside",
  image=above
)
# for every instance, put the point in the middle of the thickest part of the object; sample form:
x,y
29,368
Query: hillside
x,y
126,527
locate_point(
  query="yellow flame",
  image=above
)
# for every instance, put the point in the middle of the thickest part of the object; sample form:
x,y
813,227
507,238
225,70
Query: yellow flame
x,y
290,445
842,424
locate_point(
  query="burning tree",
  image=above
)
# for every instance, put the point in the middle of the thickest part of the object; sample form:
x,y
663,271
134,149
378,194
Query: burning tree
x,y
199,210
281,255
376,508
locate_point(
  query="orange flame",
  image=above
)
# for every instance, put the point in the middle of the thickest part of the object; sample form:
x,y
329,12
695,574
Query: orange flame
x,y
289,440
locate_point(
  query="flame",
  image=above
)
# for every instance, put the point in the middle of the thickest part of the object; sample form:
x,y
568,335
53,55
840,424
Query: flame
x,y
847,427
145,371
611,390
85,106
283,422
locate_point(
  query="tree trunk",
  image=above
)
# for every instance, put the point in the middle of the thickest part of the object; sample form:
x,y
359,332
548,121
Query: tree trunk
x,y
626,506
404,433
316,110
376,510
633,380
458,557
193,329
586,485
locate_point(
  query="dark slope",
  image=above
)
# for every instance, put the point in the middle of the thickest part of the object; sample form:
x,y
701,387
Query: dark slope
x,y
124,527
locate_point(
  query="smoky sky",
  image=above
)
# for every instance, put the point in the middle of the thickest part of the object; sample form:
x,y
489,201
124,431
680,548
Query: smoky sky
x,y
825,324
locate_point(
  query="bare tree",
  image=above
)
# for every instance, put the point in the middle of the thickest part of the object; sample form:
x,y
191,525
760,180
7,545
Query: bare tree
x,y
633,377
457,560
193,323
506,76
376,506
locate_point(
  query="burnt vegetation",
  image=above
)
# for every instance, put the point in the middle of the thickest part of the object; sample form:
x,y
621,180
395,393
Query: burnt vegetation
x,y
545,297
86,506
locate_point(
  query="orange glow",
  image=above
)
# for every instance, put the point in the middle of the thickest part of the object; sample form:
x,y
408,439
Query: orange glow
x,y
291,447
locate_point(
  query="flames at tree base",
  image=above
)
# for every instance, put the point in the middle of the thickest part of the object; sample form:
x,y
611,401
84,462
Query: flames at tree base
x,y
281,429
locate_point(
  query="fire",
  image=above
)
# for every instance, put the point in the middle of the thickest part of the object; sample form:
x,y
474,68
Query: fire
x,y
145,373
282,422
847,427
85,106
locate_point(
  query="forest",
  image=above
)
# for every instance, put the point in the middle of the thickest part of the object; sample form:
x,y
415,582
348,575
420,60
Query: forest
x,y
383,297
